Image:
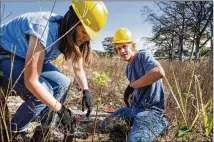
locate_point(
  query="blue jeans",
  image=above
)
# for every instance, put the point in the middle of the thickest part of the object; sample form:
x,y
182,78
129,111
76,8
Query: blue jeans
x,y
146,125
33,109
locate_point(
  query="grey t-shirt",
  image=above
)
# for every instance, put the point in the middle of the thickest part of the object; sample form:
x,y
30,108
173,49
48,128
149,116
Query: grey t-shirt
x,y
148,97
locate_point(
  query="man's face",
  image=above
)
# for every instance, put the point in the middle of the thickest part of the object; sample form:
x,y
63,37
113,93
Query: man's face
x,y
124,51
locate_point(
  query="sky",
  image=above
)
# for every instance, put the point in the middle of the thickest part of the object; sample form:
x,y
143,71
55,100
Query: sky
x,y
126,14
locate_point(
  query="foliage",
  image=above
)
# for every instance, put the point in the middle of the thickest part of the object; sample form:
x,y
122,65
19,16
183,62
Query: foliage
x,y
108,46
180,26
100,79
203,51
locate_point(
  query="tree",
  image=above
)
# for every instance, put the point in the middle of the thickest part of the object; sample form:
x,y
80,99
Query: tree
x,y
180,25
108,46
169,27
201,17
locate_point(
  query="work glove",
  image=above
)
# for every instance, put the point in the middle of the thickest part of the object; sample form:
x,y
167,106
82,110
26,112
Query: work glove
x,y
67,118
87,100
129,90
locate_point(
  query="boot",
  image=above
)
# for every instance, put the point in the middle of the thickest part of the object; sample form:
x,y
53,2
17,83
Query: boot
x,y
118,135
41,134
8,136
19,136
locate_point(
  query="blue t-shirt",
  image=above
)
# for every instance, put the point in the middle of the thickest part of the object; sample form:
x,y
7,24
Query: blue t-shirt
x,y
147,97
14,34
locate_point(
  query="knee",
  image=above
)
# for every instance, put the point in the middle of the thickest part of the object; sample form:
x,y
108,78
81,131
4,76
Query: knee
x,y
141,137
147,127
63,86
143,116
66,86
65,82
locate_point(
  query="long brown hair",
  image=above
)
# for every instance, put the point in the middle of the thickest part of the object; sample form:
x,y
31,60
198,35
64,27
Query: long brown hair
x,y
66,44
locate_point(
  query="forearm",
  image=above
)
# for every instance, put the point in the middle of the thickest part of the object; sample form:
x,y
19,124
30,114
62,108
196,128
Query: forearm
x,y
81,78
33,67
149,78
41,93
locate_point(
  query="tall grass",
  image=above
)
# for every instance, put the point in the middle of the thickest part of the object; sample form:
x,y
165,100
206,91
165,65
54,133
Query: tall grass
x,y
190,84
188,89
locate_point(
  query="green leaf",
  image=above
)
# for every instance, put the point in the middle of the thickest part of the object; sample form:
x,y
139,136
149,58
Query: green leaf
x,y
98,101
100,79
182,131
183,128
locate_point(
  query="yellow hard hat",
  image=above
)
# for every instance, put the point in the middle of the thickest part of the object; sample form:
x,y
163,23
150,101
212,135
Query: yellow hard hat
x,y
123,35
92,14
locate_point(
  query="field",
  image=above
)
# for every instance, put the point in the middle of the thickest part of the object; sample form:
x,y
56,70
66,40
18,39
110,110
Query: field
x,y
188,89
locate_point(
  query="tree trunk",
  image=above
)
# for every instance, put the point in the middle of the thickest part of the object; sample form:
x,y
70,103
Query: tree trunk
x,y
197,43
193,47
192,50
211,56
171,49
181,35
181,48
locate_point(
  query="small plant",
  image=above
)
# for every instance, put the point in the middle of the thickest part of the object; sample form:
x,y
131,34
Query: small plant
x,y
100,80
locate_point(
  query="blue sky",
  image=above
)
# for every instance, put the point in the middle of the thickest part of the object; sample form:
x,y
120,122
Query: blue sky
x,y
121,14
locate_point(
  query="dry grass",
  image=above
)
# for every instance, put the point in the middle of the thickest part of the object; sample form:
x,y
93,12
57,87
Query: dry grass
x,y
112,92
186,84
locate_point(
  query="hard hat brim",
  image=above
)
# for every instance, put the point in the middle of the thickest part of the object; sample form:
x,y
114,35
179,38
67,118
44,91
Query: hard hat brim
x,y
122,41
90,32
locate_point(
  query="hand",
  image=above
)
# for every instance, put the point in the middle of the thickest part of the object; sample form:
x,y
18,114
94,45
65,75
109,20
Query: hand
x,y
67,118
87,100
129,90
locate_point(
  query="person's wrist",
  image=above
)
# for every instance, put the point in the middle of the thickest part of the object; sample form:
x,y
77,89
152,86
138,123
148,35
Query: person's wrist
x,y
131,87
58,106
86,91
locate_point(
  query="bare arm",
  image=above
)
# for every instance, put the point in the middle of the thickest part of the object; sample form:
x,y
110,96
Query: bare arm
x,y
150,77
80,74
33,64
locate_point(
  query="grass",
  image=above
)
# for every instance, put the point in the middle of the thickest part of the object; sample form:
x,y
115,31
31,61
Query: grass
x,y
190,84
188,89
